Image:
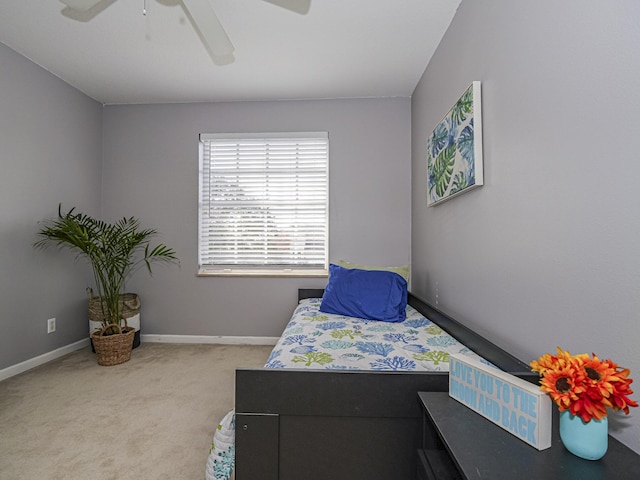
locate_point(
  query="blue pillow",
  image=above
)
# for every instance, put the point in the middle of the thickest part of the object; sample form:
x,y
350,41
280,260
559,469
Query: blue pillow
x,y
370,294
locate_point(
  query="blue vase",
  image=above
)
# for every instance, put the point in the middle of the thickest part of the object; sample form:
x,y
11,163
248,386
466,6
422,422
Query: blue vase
x,y
585,440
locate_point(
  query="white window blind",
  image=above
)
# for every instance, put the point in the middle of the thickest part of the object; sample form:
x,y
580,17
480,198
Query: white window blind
x,y
264,204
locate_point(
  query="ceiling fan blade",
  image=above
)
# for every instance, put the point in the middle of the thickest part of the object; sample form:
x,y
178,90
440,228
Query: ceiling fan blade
x,y
299,6
209,28
81,5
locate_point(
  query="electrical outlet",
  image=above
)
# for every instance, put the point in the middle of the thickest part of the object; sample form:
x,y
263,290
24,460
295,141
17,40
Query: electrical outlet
x,y
51,325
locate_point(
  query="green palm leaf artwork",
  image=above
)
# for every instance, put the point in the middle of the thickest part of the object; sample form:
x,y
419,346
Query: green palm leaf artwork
x,y
454,151
443,168
463,107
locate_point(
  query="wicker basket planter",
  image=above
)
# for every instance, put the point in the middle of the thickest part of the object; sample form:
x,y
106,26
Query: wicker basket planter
x,y
113,349
129,308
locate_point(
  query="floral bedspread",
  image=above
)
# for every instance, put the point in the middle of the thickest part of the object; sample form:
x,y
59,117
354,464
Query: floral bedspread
x,y
317,340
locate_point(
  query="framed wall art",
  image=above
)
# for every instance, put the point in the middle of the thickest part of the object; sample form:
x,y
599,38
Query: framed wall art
x,y
454,150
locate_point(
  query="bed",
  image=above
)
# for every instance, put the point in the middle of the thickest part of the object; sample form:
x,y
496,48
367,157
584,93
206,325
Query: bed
x,y
334,420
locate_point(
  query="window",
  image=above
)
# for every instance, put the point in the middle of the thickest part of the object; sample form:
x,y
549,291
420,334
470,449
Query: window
x,y
263,204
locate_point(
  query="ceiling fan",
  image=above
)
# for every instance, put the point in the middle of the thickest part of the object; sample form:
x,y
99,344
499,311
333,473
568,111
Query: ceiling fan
x,y
205,21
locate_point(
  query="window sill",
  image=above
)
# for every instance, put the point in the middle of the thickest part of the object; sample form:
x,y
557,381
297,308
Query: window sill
x,y
262,273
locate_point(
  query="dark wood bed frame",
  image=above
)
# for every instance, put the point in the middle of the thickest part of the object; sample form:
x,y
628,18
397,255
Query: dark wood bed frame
x,y
294,424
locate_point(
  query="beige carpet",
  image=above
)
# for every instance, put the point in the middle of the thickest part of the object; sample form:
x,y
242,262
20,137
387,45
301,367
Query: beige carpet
x,y
150,418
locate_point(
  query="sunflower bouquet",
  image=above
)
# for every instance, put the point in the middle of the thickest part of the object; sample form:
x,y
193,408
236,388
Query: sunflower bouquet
x,y
584,385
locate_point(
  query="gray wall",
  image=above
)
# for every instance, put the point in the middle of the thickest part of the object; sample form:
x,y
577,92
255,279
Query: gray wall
x,y
50,149
144,162
546,253
150,170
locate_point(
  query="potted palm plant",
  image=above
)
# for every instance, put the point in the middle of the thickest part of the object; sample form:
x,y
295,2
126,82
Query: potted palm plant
x,y
114,251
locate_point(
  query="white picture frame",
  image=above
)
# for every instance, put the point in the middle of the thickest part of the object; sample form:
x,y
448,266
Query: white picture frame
x,y
454,149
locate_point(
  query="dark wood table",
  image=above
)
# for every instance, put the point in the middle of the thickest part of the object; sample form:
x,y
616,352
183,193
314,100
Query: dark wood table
x,y
458,443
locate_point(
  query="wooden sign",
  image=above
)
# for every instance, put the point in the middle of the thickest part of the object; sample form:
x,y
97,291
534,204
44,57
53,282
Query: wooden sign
x,y
514,404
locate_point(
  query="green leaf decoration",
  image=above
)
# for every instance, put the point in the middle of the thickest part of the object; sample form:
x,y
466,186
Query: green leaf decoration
x,y
321,358
345,333
318,318
443,168
433,330
463,107
435,356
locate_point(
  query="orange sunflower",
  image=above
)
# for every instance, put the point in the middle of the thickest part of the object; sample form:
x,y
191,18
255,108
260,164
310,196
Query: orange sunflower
x,y
554,362
560,384
584,385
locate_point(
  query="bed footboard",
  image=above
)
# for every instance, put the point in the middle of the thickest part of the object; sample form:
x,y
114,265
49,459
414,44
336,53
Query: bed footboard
x,y
324,424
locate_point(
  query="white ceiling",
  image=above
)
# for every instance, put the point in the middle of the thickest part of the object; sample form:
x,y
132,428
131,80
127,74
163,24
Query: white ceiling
x,y
339,49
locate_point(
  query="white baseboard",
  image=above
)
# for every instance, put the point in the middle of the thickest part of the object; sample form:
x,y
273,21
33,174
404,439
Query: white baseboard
x,y
59,352
42,359
222,340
